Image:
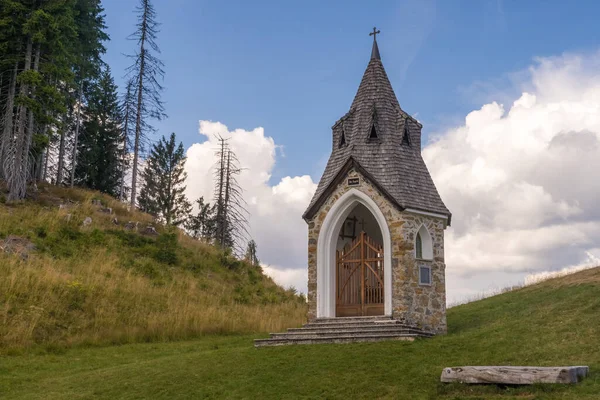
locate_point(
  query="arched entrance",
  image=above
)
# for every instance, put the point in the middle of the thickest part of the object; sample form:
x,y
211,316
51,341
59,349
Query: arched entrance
x,y
359,283
354,203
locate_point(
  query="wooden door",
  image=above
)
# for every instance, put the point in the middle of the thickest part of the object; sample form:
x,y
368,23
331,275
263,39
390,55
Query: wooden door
x,y
359,278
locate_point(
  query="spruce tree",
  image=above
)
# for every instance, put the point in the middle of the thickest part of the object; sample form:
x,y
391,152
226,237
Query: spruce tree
x,y
163,180
12,17
202,225
43,36
45,45
251,254
99,147
87,50
146,71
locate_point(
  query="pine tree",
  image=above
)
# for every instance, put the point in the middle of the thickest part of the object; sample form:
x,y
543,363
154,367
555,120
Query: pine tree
x,y
12,17
88,66
99,150
146,71
44,46
202,225
251,254
44,34
163,180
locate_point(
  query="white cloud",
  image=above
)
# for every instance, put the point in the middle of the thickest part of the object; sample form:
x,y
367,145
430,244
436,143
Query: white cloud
x,y
522,181
288,277
275,211
591,262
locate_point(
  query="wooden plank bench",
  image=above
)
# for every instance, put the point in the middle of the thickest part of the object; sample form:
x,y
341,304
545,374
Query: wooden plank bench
x,y
514,375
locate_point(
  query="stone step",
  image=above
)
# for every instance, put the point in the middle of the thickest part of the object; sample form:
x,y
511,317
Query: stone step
x,y
357,325
333,339
352,319
356,333
368,329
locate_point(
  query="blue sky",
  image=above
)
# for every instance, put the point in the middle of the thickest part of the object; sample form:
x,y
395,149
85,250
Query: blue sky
x,y
510,88
294,67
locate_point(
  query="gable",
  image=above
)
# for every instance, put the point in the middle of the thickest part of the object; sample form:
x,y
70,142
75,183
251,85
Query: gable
x,y
339,179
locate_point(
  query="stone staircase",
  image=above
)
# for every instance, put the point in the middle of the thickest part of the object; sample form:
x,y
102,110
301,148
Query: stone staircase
x,y
345,330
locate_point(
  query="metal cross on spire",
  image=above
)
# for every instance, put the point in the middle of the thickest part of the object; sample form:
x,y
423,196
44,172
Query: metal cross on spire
x,y
374,33
375,52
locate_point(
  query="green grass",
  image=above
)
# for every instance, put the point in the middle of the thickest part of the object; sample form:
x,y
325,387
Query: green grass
x,y
554,323
103,284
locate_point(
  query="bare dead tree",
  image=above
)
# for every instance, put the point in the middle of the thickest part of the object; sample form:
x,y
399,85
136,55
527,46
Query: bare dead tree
x,y
146,72
231,215
129,120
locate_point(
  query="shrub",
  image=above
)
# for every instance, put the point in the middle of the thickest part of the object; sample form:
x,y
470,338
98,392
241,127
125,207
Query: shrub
x,y
41,232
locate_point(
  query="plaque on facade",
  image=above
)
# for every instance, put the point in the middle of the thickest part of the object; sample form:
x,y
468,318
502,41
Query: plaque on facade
x,y
353,181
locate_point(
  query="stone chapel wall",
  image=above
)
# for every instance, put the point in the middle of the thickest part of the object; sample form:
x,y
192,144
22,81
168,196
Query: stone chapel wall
x,y
414,304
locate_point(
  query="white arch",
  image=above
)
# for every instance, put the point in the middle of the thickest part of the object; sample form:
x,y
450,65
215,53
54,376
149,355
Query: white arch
x,y
326,246
426,244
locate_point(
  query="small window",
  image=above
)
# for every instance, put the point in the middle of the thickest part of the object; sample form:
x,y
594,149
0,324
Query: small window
x,y
424,275
423,244
406,135
419,247
343,140
373,134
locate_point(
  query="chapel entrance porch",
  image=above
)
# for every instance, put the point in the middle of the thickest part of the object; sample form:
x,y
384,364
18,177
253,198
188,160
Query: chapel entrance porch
x,y
359,266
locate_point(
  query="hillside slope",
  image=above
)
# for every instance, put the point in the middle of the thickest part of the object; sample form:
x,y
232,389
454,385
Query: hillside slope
x,y
552,323
65,280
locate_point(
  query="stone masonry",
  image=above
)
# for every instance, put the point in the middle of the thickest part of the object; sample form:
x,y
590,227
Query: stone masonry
x,y
423,306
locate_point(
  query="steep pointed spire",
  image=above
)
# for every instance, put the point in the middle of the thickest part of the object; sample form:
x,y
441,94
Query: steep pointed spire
x,y
375,90
375,52
384,150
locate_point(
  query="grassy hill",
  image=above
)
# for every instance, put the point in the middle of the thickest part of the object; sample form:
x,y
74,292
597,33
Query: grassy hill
x,y
556,322
64,282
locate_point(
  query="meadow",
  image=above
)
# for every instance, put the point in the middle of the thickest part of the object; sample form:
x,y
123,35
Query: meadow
x,y
548,324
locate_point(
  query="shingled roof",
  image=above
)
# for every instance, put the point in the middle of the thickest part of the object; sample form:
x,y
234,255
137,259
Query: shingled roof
x,y
384,143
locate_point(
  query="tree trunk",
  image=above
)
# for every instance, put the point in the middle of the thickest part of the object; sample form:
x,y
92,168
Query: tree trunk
x,y
77,124
16,180
220,195
140,102
125,132
8,122
39,166
61,157
138,127
46,159
226,216
30,127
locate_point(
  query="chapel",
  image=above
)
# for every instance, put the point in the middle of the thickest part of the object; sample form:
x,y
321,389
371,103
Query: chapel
x,y
376,221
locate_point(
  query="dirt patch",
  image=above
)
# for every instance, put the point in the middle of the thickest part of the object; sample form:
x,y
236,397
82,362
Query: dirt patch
x,y
17,245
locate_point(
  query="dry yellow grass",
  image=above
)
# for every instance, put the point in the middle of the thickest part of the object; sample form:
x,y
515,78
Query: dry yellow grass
x,y
101,284
587,276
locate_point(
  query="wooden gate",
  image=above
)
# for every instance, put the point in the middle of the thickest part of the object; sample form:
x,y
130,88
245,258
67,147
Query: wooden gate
x,y
359,278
